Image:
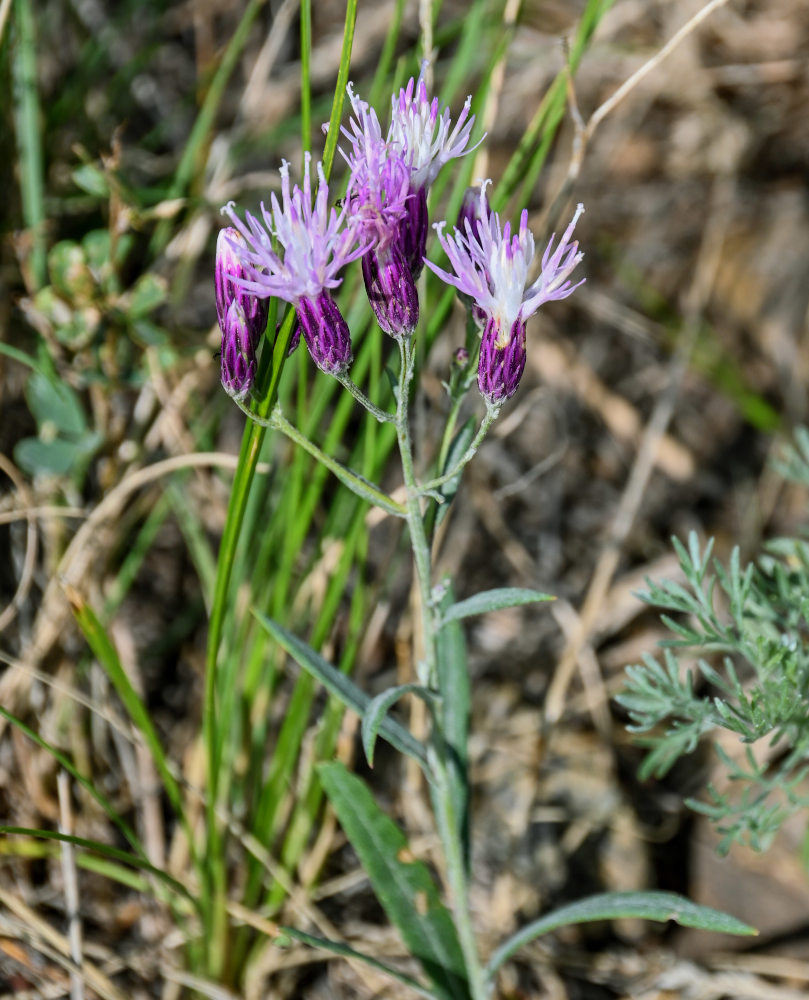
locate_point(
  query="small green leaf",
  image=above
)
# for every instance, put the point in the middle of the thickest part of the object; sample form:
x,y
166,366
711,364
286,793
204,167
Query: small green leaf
x,y
658,906
68,270
341,687
402,884
378,708
148,292
55,402
493,600
47,458
149,334
92,180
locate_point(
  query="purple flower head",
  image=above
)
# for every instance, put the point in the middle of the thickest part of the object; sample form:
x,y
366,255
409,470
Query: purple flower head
x,y
238,353
422,134
491,266
380,178
316,246
379,202
228,267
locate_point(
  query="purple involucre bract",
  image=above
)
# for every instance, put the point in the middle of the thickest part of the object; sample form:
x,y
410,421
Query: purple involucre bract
x,y
500,368
317,242
238,360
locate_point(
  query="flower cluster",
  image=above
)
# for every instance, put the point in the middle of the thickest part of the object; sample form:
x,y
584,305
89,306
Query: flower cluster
x,y
298,247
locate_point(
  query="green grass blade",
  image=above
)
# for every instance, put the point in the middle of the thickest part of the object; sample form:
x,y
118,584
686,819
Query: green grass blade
x,y
109,810
106,851
107,655
29,138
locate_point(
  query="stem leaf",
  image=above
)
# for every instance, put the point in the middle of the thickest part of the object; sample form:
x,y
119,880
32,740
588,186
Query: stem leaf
x,y
659,906
402,884
378,707
493,600
453,683
344,689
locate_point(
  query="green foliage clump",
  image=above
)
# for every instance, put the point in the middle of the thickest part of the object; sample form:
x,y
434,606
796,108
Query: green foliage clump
x,y
748,627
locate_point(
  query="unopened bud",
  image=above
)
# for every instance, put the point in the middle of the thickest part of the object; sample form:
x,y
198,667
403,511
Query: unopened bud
x,y
326,333
238,354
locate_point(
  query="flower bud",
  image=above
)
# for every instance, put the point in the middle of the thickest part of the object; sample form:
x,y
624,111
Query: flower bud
x,y
229,266
326,333
470,211
500,367
238,353
391,291
460,357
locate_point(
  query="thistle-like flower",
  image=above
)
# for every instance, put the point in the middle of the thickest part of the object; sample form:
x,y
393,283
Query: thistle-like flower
x,y
421,132
238,353
228,290
491,266
316,246
379,193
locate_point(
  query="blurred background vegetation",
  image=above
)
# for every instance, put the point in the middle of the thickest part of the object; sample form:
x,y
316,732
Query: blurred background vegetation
x,y
652,402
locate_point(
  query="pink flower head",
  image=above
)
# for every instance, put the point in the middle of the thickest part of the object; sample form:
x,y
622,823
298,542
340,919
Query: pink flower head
x,y
380,177
421,131
491,267
316,244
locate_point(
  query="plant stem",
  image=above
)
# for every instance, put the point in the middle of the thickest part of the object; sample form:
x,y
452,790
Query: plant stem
x,y
447,822
381,415
491,415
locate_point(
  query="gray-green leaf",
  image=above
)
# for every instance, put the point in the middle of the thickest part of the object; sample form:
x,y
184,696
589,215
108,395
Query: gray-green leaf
x,y
659,906
402,884
493,600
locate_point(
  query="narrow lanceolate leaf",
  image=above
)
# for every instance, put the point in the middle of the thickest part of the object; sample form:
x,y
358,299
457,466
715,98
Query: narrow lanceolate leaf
x,y
659,906
453,683
402,884
341,687
379,707
493,600
346,951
